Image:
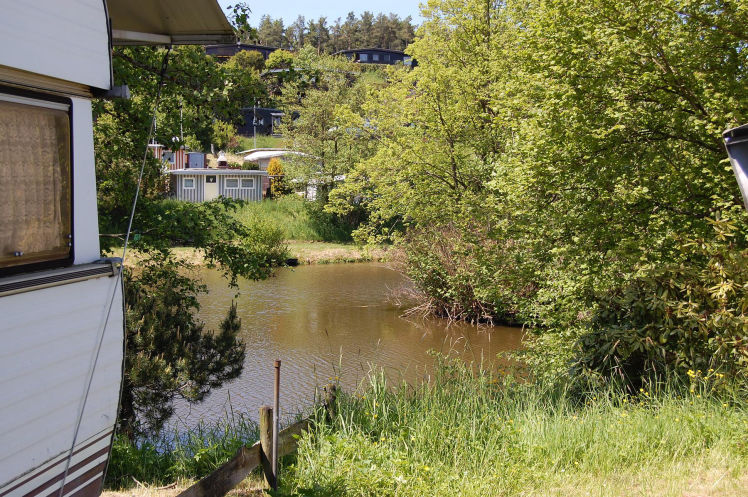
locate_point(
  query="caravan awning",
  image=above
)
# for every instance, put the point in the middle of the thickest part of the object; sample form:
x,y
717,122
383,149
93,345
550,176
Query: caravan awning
x,y
165,22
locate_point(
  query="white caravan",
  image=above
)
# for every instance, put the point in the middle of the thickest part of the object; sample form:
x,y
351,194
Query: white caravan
x,y
61,309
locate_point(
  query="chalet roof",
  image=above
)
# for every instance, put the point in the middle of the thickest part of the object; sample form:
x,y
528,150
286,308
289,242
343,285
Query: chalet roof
x,y
209,171
164,22
259,154
353,50
243,46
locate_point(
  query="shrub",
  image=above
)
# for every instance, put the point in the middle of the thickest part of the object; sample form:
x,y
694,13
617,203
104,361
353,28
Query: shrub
x,y
460,278
689,315
278,184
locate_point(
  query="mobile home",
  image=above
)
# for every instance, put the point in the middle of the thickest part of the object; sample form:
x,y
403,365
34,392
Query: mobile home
x,y
203,185
61,309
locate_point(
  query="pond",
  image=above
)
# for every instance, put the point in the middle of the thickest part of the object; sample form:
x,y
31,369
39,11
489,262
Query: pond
x,y
328,322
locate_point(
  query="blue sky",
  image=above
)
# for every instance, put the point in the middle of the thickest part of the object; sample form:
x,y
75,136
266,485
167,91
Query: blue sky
x,y
289,10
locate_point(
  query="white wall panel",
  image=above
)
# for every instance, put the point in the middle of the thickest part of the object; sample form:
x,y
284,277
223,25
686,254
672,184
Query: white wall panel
x,y
67,40
50,337
85,220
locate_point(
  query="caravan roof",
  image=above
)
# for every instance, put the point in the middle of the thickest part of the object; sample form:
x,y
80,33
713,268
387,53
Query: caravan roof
x,y
69,42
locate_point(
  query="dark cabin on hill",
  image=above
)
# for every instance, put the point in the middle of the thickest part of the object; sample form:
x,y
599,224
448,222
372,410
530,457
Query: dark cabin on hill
x,y
377,56
224,52
263,120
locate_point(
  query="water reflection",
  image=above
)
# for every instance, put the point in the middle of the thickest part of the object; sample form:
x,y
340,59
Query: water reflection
x,y
323,322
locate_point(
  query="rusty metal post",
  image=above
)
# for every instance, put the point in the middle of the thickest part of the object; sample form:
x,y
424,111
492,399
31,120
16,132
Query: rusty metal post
x,y
276,427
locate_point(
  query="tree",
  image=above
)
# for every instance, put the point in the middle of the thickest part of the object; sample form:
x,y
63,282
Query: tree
x,y
247,60
169,354
564,151
278,184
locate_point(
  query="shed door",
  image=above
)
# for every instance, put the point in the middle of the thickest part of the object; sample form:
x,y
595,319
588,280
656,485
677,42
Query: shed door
x,y
211,188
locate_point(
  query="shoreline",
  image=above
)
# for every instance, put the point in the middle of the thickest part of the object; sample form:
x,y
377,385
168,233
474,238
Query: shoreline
x,y
306,252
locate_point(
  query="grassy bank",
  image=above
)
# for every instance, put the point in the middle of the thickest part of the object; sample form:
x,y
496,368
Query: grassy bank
x,y
263,141
298,219
305,252
476,434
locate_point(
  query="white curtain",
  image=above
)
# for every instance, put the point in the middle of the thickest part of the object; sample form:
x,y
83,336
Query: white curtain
x,y
35,184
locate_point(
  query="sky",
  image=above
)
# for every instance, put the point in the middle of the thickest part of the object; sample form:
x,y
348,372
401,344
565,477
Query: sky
x,y
289,10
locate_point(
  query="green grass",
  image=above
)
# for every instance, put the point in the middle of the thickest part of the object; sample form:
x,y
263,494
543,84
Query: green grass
x,y
263,141
470,432
183,455
299,219
475,434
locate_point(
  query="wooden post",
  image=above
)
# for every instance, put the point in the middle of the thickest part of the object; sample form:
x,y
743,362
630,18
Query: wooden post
x,y
331,396
266,445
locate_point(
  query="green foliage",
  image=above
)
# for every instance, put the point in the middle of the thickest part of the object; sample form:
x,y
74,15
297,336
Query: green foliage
x,y
565,150
168,353
278,183
248,60
686,316
469,431
368,30
280,59
224,135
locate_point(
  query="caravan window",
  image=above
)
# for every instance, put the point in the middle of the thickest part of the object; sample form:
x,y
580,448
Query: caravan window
x,y
36,201
232,183
189,183
248,182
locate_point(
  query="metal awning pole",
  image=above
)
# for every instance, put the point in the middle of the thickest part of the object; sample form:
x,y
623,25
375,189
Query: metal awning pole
x,y
276,411
736,142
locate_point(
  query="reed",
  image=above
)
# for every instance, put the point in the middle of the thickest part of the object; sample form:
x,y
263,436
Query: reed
x,y
178,454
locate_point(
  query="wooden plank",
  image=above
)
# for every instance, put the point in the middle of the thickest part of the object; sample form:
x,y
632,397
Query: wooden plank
x,y
222,480
288,438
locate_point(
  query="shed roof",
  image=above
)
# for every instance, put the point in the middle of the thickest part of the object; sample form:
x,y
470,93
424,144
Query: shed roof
x,y
209,171
255,155
178,22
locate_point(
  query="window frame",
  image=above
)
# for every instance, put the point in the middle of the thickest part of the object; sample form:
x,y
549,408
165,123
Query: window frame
x,y
241,183
25,95
184,183
226,184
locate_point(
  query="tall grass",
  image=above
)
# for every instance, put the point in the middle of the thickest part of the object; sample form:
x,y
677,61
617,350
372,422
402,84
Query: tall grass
x,y
178,455
299,219
263,141
474,433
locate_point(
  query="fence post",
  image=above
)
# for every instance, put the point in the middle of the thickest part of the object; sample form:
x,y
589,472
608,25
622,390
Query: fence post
x,y
331,396
266,445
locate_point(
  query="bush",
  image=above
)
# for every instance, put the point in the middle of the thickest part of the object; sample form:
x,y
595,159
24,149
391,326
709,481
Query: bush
x,y
689,315
460,279
278,184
